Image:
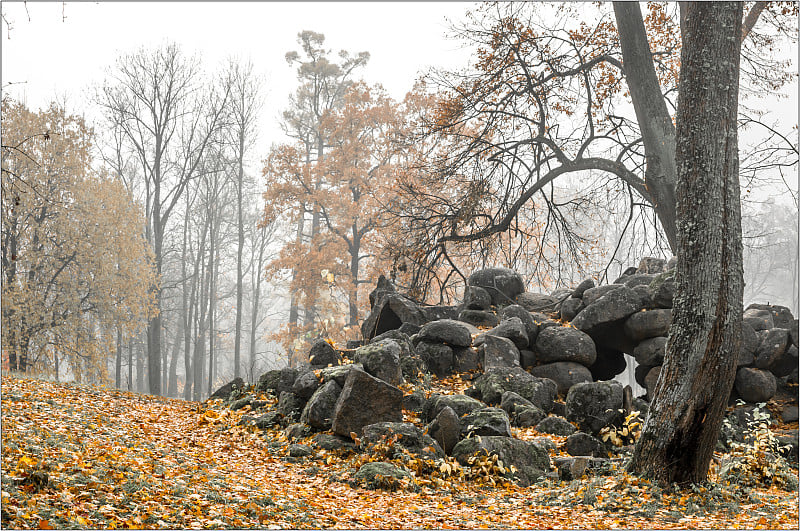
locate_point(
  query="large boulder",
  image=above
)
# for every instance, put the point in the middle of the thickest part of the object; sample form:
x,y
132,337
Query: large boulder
x,y
460,404
381,475
781,315
637,279
390,313
662,289
437,357
318,412
758,319
511,400
445,428
564,343
381,360
531,460
477,298
511,328
555,426
305,384
497,352
755,385
651,265
748,346
502,284
651,379
651,351
322,354
615,305
525,317
448,331
232,388
595,405
290,406
491,385
581,443
786,363
486,421
570,308
277,381
366,400
581,288
772,346
650,323
465,360
439,312
481,318
592,295
564,373
406,435
538,302
340,373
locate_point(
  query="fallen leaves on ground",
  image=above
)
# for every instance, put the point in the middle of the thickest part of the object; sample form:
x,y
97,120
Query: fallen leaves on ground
x,y
86,457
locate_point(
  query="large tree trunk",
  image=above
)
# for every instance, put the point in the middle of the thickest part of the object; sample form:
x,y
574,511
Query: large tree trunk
x,y
655,123
690,397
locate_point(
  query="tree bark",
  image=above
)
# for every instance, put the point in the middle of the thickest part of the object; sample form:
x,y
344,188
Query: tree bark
x,y
690,397
655,122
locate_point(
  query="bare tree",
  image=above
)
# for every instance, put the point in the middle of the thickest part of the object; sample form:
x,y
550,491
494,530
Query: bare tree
x,y
167,118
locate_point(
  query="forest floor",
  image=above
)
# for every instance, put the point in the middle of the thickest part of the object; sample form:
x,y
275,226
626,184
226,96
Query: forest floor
x,y
77,456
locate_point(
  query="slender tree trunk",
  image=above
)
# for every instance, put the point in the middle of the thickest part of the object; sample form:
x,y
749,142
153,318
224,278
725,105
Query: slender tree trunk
x,y
118,361
130,364
294,311
237,341
658,133
690,397
256,299
172,377
212,306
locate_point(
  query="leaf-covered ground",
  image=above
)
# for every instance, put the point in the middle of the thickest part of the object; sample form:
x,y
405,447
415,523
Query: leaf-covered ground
x,y
86,457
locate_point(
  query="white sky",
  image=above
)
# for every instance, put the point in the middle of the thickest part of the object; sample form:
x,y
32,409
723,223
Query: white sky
x,y
61,59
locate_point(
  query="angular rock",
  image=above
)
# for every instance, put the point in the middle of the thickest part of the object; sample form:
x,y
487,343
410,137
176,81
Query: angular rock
x,y
446,429
593,406
555,426
381,475
297,430
497,352
570,308
481,318
527,358
477,298
786,363
487,421
437,313
231,388
614,306
591,295
527,416
748,346
578,292
662,289
647,324
794,332
581,443
758,319
290,406
564,373
561,293
438,357
276,381
339,374
491,385
268,420
625,274
565,343
755,385
527,319
511,400
513,329
502,284
651,351
771,347
381,360
322,354
530,459
448,331
537,302
637,279
299,450
460,404
365,400
406,435
326,441
415,401
383,287
392,312
465,360
781,315
318,412
305,384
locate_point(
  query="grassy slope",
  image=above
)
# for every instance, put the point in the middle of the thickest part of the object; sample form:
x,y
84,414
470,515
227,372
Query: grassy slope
x,y
116,459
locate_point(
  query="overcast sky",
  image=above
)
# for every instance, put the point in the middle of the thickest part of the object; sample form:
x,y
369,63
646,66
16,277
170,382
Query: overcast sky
x,y
59,51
